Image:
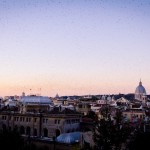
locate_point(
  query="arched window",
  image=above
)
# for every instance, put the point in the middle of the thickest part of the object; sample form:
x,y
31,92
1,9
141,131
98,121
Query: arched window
x,y
45,132
57,132
15,128
35,132
9,128
22,130
4,127
28,131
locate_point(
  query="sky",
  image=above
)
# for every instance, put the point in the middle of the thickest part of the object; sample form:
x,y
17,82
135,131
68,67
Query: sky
x,y
74,47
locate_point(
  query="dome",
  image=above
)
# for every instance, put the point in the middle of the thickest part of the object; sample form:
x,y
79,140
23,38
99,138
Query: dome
x,y
109,98
140,89
103,97
140,93
69,138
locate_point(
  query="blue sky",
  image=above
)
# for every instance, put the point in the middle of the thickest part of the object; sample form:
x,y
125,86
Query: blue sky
x,y
74,47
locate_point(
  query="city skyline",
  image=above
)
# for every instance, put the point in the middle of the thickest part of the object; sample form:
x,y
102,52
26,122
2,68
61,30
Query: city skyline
x,y
74,47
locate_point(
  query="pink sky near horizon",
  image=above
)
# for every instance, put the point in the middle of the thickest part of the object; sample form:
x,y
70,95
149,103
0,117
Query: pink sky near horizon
x,y
74,47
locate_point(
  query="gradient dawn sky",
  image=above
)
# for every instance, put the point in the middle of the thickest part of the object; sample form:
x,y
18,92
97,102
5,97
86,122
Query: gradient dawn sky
x,y
74,47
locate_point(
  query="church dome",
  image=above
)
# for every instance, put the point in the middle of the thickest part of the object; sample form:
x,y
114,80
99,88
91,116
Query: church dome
x,y
140,89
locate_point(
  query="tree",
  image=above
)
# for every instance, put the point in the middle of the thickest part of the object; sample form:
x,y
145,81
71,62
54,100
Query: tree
x,y
110,134
91,114
11,140
122,131
139,140
103,130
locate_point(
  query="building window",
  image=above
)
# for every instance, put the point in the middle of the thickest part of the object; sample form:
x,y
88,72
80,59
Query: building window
x,y
68,121
28,130
45,132
45,120
35,119
4,127
4,117
57,121
22,130
17,118
27,119
35,132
